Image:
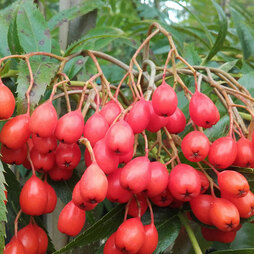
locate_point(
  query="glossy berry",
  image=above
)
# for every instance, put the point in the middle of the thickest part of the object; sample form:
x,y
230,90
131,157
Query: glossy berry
x,y
68,155
110,247
70,127
44,145
120,138
176,122
15,132
7,102
95,128
195,146
163,199
106,159
58,174
93,184
133,210
133,179
151,240
202,110
156,122
130,236
52,198
200,206
29,239
224,214
164,100
233,183
116,193
10,156
110,111
71,219
139,116
184,182
44,120
214,234
204,182
159,179
42,240
14,247
126,157
222,152
34,189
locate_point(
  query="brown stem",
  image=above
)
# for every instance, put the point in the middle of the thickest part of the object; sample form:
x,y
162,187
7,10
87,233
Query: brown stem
x,y
86,142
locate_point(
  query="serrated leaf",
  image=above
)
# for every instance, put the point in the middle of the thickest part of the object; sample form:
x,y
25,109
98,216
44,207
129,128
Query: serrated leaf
x,y
33,31
74,12
43,72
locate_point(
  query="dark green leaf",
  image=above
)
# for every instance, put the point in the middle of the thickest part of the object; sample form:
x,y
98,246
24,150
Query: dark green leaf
x,y
246,81
191,55
43,72
74,12
33,32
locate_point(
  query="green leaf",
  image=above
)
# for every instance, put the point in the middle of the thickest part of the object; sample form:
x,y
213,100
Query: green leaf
x,y
244,251
191,54
33,32
74,12
3,210
221,35
43,72
246,81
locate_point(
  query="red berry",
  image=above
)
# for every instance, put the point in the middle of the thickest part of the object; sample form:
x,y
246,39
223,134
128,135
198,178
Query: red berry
x,y
164,100
15,132
184,182
130,236
52,198
14,247
10,156
44,145
214,234
195,146
163,199
58,174
110,247
176,122
204,182
222,152
7,102
44,120
95,128
33,196
133,210
133,179
70,127
71,219
42,240
202,110
126,157
110,111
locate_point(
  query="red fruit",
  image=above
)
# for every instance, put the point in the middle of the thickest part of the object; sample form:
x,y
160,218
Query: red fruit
x,y
15,132
110,247
52,198
93,184
233,183
68,156
11,156
95,128
44,120
126,157
58,174
44,145
151,240
156,122
7,102
164,100
5,201
159,179
214,234
14,247
133,179
245,205
70,127
130,236
106,160
42,162
176,122
42,240
33,196
195,146
203,111
204,182
29,239
222,152
245,153
139,116
133,210
224,214
110,111
71,219
200,206
120,138
116,193
184,182
163,199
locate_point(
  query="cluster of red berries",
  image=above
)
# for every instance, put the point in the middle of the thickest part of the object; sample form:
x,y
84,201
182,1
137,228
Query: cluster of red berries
x,y
109,135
